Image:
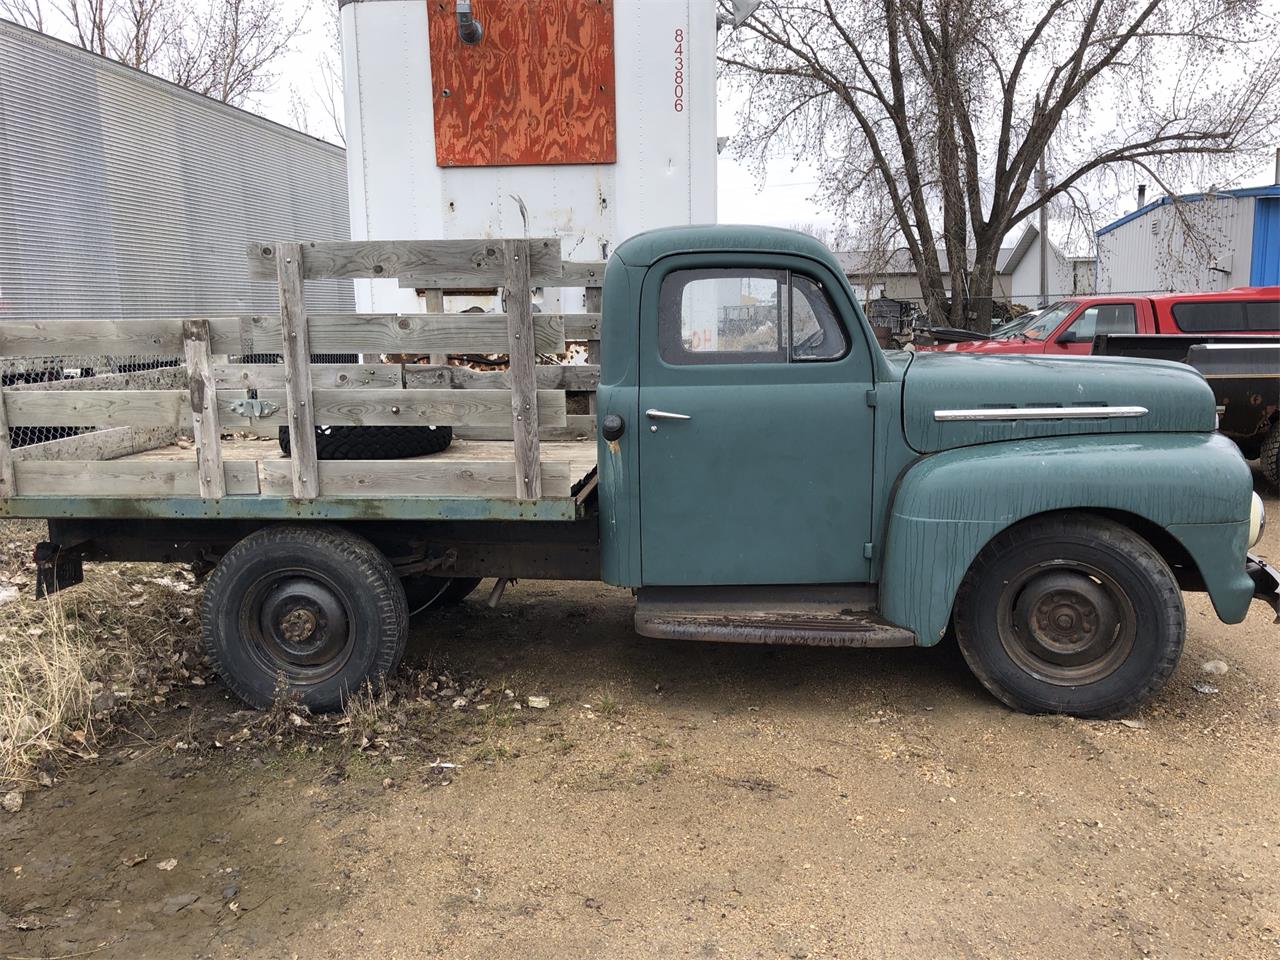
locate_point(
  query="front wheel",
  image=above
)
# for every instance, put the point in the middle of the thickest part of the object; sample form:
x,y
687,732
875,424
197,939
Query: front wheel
x,y
1070,614
308,612
1269,456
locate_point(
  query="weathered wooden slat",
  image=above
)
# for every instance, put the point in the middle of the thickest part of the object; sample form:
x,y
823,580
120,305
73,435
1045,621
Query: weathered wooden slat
x,y
592,299
525,418
434,302
576,273
428,333
448,262
328,376
297,372
47,338
416,478
564,376
570,273
204,410
577,427
403,408
160,336
162,378
96,408
582,326
7,484
127,478
405,333
95,445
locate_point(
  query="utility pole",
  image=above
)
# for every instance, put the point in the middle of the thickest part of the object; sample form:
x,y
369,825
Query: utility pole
x,y
1042,183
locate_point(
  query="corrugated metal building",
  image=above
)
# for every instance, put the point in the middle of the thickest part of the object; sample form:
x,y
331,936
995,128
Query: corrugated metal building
x,y
123,195
1194,242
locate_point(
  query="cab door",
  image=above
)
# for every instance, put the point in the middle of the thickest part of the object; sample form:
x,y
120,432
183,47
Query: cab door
x,y
756,431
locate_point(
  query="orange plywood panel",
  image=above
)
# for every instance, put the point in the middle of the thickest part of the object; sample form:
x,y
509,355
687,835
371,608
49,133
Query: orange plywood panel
x,y
538,87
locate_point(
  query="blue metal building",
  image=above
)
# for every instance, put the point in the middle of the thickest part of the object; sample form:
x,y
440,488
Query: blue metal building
x,y
1199,241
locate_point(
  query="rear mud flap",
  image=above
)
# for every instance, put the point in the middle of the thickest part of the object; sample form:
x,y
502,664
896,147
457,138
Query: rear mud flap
x,y
56,569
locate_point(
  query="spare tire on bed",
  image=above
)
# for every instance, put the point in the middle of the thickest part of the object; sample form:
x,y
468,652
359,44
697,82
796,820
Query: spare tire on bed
x,y
375,443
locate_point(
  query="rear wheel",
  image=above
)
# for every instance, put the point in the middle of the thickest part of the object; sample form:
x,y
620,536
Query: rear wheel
x,y
310,612
1070,614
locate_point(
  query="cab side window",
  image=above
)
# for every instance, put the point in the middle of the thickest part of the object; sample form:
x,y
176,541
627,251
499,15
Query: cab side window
x,y
1104,318
816,332
746,316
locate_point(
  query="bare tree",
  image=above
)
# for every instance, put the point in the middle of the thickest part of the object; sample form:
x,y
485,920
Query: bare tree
x,y
326,86
131,31
146,28
28,13
949,107
225,49
228,51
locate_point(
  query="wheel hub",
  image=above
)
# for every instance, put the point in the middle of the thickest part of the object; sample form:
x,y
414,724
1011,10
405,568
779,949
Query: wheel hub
x,y
303,622
1066,626
298,624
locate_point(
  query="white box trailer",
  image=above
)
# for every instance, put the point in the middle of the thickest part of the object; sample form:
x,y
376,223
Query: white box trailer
x,y
597,117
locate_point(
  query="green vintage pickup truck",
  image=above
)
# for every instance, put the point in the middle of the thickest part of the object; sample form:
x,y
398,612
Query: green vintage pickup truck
x,y
765,473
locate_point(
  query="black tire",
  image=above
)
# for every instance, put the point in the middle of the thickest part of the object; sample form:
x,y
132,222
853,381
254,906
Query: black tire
x,y
1070,614
336,594
425,592
375,443
1269,458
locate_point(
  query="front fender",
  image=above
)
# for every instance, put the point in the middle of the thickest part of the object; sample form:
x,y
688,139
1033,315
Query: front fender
x,y
949,505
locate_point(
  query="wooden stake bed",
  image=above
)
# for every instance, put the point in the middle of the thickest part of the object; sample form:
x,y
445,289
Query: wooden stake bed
x,y
517,453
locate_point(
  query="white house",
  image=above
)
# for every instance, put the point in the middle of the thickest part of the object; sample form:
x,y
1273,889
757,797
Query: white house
x,y
1017,277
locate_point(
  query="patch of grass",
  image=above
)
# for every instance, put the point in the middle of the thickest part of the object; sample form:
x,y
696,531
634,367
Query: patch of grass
x,y
128,635
47,671
491,753
656,768
367,710
559,743
605,704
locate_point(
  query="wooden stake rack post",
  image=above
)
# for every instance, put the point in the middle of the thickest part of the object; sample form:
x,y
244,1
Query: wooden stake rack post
x,y
524,404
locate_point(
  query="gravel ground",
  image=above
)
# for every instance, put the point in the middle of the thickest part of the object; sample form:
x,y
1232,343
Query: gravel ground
x,y
676,800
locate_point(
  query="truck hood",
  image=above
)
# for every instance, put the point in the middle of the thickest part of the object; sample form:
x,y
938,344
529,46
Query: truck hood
x,y
938,386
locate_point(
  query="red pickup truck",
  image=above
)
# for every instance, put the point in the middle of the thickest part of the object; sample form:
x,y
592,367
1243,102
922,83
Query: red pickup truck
x,y
1070,325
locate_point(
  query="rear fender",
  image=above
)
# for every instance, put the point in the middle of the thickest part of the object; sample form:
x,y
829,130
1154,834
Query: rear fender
x,y
948,506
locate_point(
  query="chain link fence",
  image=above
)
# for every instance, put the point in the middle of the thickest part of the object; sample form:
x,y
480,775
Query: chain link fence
x,y
129,372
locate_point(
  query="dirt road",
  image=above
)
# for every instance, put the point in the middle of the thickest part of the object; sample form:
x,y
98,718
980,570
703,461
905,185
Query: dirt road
x,y
677,800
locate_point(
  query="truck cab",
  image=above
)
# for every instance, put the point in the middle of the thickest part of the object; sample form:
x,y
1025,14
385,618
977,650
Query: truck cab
x,y
768,473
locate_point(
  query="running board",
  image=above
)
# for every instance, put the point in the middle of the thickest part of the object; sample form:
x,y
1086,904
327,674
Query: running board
x,y
820,616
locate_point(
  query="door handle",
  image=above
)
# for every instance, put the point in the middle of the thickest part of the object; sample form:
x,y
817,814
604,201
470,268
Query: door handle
x,y
653,414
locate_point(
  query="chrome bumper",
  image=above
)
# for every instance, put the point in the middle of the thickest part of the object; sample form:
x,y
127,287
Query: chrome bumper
x,y
1266,582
